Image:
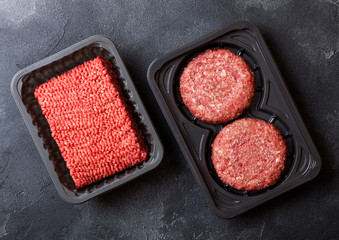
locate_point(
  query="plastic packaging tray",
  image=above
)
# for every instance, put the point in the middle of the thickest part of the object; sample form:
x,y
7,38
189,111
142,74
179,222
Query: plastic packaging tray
x,y
272,102
23,85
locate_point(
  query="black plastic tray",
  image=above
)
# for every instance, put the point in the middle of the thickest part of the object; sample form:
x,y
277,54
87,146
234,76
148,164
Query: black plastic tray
x,y
23,85
272,102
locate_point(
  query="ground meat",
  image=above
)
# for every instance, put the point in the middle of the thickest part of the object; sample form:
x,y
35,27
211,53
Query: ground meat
x,y
217,85
249,154
90,122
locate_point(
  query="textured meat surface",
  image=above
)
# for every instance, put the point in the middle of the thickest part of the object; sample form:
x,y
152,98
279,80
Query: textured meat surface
x,y
249,154
217,85
90,122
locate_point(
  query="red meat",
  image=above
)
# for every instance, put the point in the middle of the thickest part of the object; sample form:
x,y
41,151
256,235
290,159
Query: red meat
x,y
249,154
90,122
217,86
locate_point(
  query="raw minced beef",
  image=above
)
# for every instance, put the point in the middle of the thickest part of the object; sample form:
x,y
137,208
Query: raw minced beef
x,y
217,85
249,154
90,122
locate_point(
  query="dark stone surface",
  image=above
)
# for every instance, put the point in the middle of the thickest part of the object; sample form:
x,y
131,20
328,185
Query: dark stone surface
x,y
303,36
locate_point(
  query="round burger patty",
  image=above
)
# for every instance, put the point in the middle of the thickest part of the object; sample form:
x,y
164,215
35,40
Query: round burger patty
x,y
217,85
249,154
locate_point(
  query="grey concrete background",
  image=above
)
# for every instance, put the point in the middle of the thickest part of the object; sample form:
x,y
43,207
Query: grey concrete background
x,y
303,36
